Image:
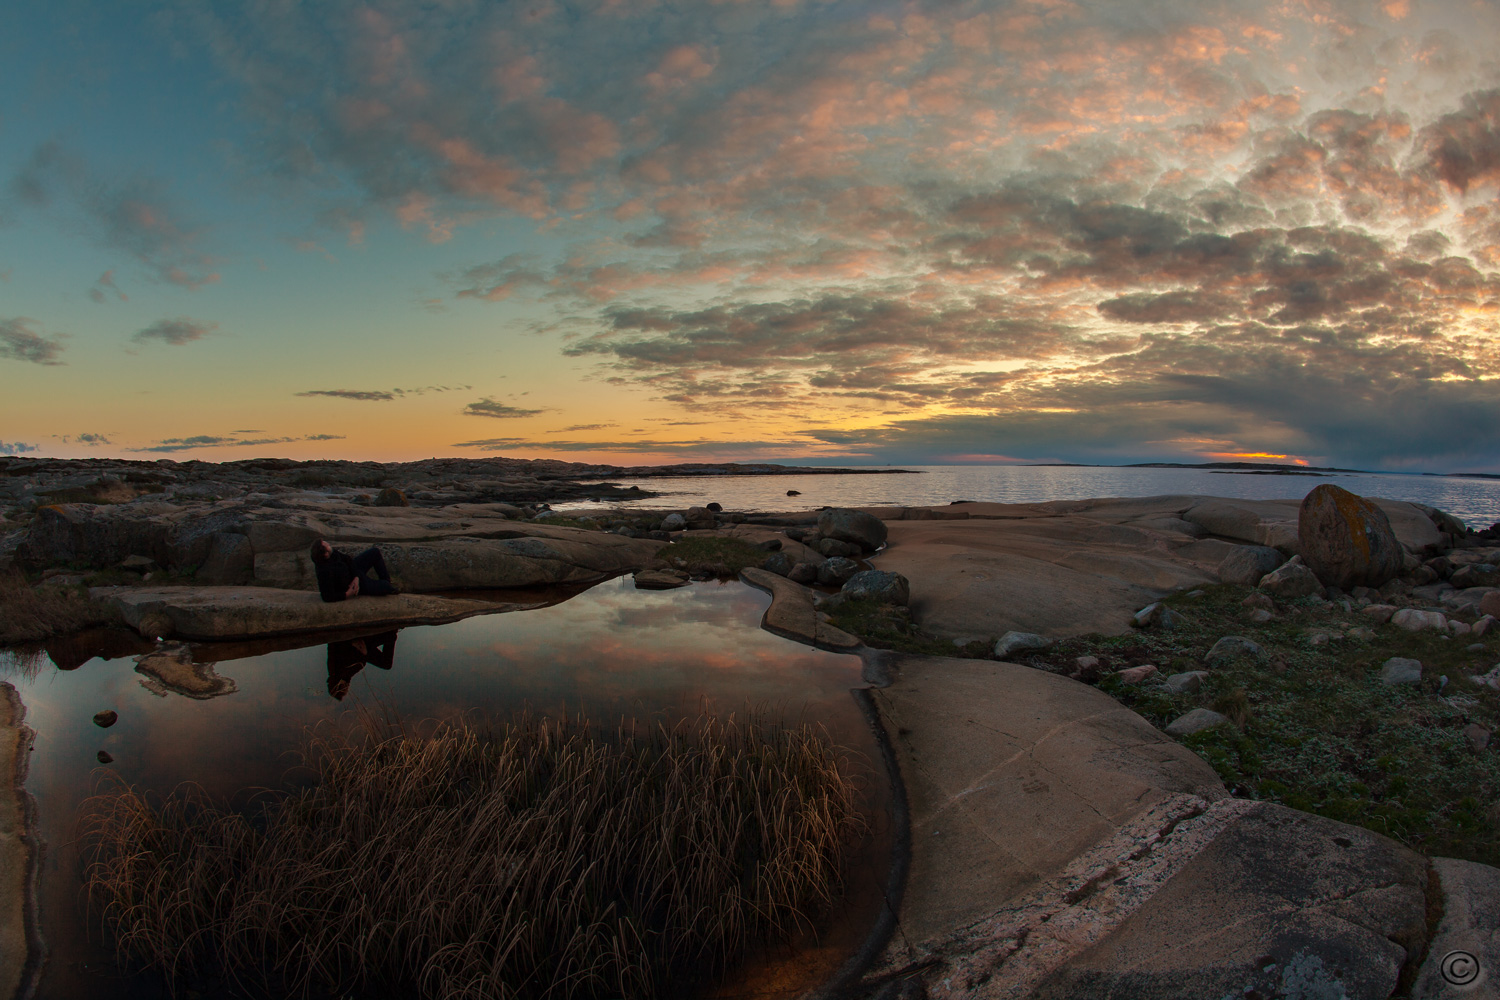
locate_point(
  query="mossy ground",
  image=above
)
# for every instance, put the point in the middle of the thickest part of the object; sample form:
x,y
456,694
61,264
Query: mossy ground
x,y
1316,729
716,554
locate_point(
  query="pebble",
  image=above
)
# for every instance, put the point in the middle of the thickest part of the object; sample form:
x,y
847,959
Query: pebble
x,y
1187,683
1259,616
1474,647
103,756
106,718
1134,675
1415,621
1477,735
1259,601
1379,612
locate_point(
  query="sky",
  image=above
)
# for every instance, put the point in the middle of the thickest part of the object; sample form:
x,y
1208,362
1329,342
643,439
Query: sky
x,y
819,231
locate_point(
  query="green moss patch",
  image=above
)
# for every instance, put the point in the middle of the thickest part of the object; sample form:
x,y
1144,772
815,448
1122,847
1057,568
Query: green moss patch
x,y
712,554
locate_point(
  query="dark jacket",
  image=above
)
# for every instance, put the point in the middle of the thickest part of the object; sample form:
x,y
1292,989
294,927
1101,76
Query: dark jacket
x,y
334,575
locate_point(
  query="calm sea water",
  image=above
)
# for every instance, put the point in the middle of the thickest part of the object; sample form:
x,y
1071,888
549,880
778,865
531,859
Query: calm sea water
x,y
1476,501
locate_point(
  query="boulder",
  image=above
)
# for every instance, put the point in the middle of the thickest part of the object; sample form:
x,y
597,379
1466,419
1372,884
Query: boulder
x,y
700,518
854,526
1260,522
1247,564
1347,540
391,497
1012,643
1380,612
836,570
660,579
1196,721
878,585
1414,620
1401,670
1489,604
1291,581
1233,647
673,522
1187,682
779,563
803,572
1476,575
835,547
1478,737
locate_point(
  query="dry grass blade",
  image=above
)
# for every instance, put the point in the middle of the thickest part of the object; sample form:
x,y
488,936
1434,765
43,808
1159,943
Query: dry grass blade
x,y
541,861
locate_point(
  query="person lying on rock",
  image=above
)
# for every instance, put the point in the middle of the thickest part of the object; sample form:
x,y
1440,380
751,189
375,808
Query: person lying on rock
x,y
341,575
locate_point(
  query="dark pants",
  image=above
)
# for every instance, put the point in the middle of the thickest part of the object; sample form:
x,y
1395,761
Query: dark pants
x,y
371,559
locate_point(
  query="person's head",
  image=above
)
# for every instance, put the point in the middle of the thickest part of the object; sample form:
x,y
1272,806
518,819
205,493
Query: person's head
x,y
321,550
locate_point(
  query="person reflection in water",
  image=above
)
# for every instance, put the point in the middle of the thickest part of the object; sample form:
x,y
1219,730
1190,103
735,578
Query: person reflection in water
x,y
347,658
341,575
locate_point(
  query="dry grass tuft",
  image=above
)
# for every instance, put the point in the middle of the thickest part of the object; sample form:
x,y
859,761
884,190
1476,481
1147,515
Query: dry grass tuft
x,y
543,860
30,613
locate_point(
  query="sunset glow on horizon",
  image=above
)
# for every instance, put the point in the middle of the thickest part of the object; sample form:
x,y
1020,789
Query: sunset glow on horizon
x,y
810,231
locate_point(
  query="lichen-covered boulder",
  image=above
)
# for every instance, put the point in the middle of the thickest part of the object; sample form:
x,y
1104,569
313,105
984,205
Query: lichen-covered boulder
x,y
879,585
391,497
854,526
1346,540
835,571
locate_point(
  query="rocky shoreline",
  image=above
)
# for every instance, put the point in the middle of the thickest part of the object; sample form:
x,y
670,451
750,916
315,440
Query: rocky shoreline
x,y
1061,844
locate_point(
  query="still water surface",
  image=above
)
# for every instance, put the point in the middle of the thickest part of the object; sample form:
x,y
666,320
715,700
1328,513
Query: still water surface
x,y
1476,501
612,652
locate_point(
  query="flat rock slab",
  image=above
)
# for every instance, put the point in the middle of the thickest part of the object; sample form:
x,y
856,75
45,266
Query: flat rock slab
x,y
222,613
1070,567
1012,773
792,614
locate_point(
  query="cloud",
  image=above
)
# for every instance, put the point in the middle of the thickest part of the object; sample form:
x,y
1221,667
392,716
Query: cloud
x,y
380,395
133,216
90,440
20,342
176,332
105,287
169,445
488,407
581,427
17,448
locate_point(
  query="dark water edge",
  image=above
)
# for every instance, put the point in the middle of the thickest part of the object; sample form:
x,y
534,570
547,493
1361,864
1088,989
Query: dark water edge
x,y
612,651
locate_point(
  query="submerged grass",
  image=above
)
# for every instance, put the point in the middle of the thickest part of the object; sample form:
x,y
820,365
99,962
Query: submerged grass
x,y
544,859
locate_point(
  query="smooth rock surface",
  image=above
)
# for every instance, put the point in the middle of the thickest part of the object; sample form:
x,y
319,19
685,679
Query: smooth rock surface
x,y
1347,540
1470,926
1247,564
221,613
1013,643
793,614
660,579
1414,620
1401,670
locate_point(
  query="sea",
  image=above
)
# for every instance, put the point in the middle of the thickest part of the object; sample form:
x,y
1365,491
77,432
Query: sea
x,y
1475,501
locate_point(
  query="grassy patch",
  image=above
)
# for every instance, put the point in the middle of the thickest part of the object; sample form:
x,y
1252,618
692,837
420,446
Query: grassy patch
x,y
564,521
1318,730
712,554
539,860
887,626
30,613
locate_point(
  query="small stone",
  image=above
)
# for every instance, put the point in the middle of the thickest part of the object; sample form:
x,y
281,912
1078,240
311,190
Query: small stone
x,y
673,522
1361,633
103,757
1193,595
1401,670
1259,601
1380,612
660,579
137,564
1134,675
1196,721
1157,615
106,718
1187,683
1086,663
1259,616
1456,627
1474,647
1319,638
794,493
1415,621
779,563
1491,679
1011,643
1483,625
1477,735
1232,647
